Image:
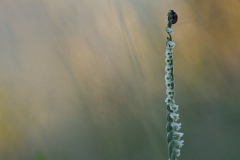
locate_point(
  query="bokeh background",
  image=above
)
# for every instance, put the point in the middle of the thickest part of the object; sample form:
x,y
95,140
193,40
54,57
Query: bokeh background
x,y
84,79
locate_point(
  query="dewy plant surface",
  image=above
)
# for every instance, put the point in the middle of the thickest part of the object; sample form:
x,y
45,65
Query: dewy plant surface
x,y
173,136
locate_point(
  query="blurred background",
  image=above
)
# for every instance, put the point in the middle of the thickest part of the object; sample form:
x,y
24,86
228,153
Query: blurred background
x,y
84,79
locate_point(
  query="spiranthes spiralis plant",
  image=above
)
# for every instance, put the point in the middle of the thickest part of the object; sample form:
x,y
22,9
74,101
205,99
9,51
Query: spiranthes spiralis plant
x,y
173,136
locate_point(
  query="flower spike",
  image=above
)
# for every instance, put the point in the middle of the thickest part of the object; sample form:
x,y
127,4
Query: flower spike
x,y
173,136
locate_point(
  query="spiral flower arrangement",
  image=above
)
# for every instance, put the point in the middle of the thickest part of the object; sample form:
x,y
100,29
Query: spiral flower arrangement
x,y
173,136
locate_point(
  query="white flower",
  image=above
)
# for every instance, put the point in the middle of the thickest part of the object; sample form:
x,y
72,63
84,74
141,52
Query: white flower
x,y
176,152
169,30
169,84
175,143
173,148
176,126
170,44
177,135
174,107
172,126
169,92
174,116
168,68
168,100
178,143
168,52
174,134
168,60
168,77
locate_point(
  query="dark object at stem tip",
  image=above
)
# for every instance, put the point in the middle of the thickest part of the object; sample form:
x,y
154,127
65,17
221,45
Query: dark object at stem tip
x,y
172,17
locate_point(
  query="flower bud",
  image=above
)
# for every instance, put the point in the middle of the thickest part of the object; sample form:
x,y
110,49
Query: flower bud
x,y
169,30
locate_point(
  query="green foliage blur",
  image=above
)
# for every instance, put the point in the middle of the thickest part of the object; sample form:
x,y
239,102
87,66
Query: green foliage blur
x,y
39,156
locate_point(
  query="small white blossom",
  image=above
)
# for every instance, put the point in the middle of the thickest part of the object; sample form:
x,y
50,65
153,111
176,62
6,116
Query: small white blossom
x,y
176,126
168,52
169,30
176,134
173,148
176,152
175,144
169,84
168,60
174,107
174,116
168,77
178,143
170,44
168,68
169,92
168,100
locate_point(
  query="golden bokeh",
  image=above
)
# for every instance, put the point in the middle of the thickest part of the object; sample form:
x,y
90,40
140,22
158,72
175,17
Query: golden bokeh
x,y
85,79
